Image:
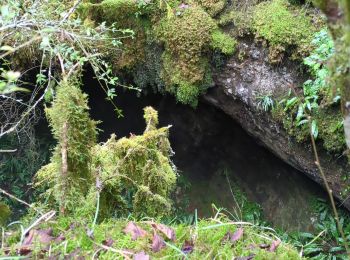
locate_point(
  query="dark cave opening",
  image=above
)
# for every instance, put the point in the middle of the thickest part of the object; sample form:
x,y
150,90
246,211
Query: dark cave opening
x,y
211,152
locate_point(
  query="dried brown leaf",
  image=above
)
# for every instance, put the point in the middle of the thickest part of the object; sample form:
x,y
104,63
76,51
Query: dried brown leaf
x,y
264,246
38,236
157,242
274,245
108,242
134,230
167,231
237,235
141,256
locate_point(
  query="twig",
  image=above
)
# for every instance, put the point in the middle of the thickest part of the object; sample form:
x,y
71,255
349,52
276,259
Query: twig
x,y
20,46
71,11
64,167
17,199
121,252
8,151
328,189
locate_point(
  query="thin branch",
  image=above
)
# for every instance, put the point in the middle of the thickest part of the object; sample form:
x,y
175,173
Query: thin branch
x,y
71,11
17,199
329,191
20,46
8,151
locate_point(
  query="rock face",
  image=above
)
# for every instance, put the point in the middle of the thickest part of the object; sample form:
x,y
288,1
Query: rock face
x,y
238,86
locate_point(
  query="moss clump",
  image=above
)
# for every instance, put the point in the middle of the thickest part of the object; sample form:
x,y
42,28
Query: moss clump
x,y
283,26
140,164
223,42
329,123
331,129
5,213
128,175
213,7
76,134
187,31
187,39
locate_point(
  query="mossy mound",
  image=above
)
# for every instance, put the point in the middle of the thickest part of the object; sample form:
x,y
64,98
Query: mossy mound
x,y
216,238
132,174
283,27
188,33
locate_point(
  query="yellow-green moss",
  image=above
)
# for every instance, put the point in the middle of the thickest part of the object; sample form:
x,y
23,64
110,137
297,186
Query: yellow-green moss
x,y
5,213
69,119
283,26
207,236
223,42
329,121
213,7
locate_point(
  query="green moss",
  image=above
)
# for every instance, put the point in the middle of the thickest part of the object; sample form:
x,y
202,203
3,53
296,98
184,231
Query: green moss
x,y
187,94
135,171
207,236
223,42
5,213
283,26
76,133
120,11
329,121
331,130
185,38
213,7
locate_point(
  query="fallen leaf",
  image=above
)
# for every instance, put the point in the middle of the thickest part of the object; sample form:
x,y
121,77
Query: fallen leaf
x,y
274,245
24,250
187,247
60,238
141,256
167,231
108,242
38,236
233,237
157,242
237,235
264,246
134,230
245,257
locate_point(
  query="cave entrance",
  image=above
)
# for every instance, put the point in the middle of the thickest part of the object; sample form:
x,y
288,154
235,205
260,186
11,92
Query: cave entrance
x,y
214,156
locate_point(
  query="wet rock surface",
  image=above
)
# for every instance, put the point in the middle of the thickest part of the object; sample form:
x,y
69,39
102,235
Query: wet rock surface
x,y
241,82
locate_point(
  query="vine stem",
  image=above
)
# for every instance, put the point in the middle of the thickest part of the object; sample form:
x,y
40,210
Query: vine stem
x,y
329,191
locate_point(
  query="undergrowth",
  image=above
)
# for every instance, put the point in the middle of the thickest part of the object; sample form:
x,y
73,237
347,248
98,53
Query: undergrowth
x,y
326,241
208,238
316,103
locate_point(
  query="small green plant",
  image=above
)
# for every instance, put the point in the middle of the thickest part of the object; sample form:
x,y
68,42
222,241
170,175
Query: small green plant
x,y
308,108
266,102
326,241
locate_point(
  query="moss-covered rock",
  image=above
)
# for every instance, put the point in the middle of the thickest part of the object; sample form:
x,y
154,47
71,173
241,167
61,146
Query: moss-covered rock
x,y
283,27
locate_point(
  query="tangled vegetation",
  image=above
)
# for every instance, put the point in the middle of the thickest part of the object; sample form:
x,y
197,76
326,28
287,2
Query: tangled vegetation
x,y
136,168
317,103
168,44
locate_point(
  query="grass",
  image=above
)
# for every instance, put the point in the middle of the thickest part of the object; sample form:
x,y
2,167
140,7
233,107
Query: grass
x,y
207,236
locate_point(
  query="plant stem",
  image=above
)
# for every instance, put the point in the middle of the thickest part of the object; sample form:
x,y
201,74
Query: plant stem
x,y
329,191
